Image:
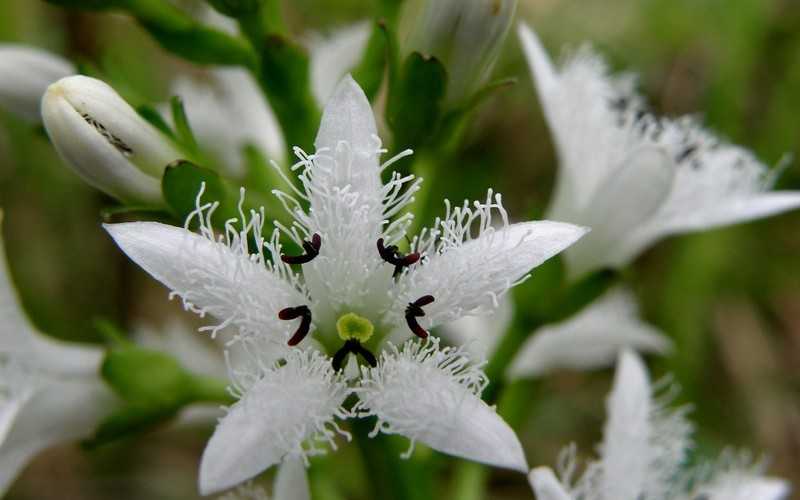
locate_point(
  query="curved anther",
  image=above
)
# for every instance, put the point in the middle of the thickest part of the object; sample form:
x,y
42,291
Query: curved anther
x,y
414,311
311,250
291,313
355,347
392,255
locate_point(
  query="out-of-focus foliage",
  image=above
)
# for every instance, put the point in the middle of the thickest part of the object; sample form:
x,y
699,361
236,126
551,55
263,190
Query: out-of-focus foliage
x,y
729,298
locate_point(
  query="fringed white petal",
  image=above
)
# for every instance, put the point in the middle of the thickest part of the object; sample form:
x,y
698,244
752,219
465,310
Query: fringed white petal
x,y
223,97
644,443
734,476
288,411
432,395
546,485
479,335
291,482
629,197
216,276
592,339
628,431
332,57
349,207
469,264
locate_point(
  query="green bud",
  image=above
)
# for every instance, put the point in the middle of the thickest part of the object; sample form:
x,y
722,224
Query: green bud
x,y
146,378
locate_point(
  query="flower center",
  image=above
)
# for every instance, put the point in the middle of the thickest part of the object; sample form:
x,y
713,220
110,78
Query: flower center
x,y
351,326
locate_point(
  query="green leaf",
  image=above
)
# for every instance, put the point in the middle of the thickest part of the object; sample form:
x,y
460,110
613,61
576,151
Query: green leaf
x,y
415,100
369,72
183,129
182,182
155,119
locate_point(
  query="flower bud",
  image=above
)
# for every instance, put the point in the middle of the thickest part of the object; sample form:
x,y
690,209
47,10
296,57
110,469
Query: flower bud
x,y
26,73
465,35
103,138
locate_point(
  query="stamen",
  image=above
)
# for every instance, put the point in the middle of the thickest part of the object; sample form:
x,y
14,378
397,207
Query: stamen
x,y
312,250
414,311
355,347
392,255
291,313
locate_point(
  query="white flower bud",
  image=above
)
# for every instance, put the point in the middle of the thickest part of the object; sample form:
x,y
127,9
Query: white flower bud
x,y
465,35
103,138
25,73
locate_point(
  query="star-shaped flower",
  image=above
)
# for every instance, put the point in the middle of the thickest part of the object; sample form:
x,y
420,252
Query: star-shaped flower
x,y
632,177
50,391
643,454
357,290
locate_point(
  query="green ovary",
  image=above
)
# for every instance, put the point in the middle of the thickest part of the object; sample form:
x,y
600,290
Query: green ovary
x,y
351,326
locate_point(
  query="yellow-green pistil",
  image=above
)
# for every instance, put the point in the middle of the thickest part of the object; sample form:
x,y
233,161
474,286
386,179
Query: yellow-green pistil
x,y
351,326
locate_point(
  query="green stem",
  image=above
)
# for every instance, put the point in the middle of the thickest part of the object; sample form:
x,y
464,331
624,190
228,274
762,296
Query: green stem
x,y
469,481
391,476
209,390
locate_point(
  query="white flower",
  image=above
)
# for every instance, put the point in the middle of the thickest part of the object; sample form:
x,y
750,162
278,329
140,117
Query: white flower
x,y
27,72
227,112
643,455
107,143
331,57
356,290
465,35
50,391
632,177
591,339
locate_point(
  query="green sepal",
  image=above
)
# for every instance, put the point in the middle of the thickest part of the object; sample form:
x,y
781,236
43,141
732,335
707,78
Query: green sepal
x,y
145,377
369,72
415,99
183,130
155,119
284,76
182,182
454,121
236,8
153,386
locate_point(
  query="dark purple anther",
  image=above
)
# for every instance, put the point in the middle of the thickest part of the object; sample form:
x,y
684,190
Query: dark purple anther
x,y
392,255
414,311
311,250
291,313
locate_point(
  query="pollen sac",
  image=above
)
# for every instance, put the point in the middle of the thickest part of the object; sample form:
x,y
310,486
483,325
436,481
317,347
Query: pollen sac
x,y
351,326
311,251
414,311
291,313
392,255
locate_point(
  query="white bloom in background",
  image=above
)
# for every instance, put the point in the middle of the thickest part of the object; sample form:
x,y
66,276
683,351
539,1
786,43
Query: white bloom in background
x,y
50,391
227,112
479,335
290,484
467,36
25,73
355,290
591,339
333,56
632,177
643,454
103,138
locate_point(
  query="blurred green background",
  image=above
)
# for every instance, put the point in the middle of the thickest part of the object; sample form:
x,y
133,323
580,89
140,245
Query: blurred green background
x,y
730,298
